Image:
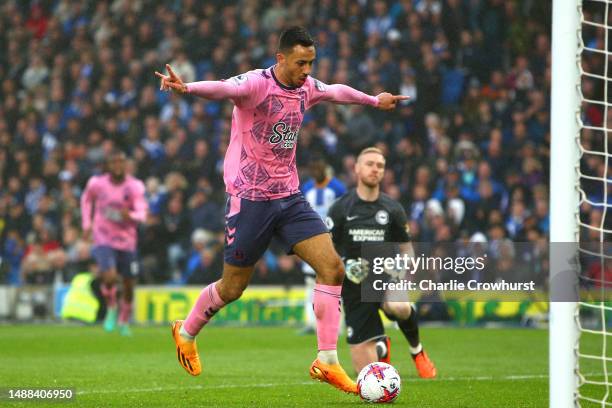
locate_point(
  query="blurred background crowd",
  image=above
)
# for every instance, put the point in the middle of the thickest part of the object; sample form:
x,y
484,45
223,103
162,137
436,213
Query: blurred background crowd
x,y
467,155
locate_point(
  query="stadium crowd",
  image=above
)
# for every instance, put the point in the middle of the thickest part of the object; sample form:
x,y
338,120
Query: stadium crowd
x,y
467,155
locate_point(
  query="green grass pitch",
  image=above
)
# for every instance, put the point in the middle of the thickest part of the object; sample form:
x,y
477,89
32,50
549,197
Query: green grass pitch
x,y
265,367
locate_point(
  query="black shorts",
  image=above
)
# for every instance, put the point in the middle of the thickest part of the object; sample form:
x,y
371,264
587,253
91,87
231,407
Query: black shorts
x,y
363,322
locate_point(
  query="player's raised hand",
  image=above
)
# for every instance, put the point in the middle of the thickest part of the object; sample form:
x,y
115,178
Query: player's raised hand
x,y
387,101
171,81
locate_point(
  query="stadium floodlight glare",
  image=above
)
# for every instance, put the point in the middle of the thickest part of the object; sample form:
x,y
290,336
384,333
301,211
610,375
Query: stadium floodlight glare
x,y
565,107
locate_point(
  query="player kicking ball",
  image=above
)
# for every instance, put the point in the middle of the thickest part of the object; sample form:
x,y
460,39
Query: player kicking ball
x,y
365,214
264,199
118,203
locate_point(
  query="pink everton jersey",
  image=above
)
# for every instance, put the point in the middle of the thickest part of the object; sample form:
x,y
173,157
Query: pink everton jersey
x,y
260,159
108,200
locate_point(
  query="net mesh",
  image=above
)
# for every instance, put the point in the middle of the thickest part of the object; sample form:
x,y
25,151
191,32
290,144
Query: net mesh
x,y
595,220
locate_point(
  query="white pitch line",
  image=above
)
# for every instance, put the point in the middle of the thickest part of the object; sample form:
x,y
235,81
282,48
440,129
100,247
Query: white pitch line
x,y
268,385
193,387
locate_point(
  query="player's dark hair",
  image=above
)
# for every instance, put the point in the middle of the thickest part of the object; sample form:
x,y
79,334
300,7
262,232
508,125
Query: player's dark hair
x,y
292,36
116,152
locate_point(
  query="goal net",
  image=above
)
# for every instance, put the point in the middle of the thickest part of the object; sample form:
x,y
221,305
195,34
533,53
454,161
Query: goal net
x,y
594,312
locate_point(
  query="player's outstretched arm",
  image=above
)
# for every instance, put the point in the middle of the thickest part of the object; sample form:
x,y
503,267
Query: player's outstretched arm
x,y
344,94
206,89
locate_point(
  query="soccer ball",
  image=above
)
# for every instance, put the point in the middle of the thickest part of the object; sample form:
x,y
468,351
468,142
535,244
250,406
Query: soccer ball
x,y
379,382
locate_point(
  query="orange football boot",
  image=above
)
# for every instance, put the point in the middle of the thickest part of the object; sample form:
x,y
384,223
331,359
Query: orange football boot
x,y
334,375
186,351
425,367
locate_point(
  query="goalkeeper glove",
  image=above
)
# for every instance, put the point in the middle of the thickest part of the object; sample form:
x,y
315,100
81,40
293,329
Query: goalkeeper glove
x,y
356,270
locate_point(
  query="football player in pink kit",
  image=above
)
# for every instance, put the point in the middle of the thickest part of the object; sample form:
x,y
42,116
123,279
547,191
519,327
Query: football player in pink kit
x,y
118,203
264,200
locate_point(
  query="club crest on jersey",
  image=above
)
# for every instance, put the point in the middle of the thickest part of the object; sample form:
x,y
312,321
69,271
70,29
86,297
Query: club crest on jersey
x,y
382,217
126,194
283,134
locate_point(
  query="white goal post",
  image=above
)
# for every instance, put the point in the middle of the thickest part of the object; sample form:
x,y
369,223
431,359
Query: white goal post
x,y
565,106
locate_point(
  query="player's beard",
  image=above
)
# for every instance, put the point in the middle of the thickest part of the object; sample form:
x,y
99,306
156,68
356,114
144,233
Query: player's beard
x,y
368,182
117,178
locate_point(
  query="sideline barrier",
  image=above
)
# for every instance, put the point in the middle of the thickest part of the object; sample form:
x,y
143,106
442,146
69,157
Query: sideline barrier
x,y
267,305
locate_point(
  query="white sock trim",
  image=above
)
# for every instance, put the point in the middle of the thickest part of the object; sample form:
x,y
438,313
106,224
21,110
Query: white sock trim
x,y
328,356
184,333
416,350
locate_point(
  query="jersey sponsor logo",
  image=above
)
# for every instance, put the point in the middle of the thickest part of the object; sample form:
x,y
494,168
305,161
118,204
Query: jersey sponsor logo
x,y
351,217
112,212
329,223
367,234
283,134
382,217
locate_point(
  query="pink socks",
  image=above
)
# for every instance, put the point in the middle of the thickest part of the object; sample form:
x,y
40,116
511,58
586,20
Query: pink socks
x,y
208,303
125,311
110,295
326,301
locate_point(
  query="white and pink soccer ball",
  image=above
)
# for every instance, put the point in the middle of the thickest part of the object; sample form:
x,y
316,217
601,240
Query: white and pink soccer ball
x,y
379,382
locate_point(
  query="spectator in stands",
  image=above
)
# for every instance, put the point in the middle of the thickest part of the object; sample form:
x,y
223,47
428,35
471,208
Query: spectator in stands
x,y
42,258
201,267
70,96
